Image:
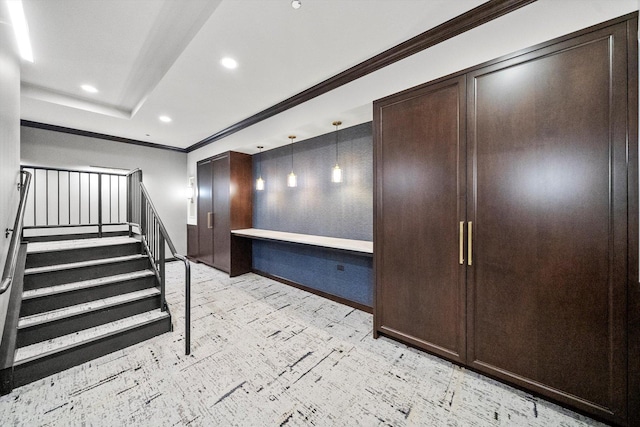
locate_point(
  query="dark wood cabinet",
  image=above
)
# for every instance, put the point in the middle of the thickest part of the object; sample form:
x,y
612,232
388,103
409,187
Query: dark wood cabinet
x,y
501,235
220,213
224,204
548,191
205,210
421,175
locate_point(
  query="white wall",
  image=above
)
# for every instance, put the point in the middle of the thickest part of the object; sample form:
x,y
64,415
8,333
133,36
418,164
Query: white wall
x,y
9,144
163,171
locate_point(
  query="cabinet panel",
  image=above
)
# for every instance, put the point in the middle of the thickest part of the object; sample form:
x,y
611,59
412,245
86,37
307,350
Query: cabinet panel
x,y
547,288
224,203
420,282
221,220
205,209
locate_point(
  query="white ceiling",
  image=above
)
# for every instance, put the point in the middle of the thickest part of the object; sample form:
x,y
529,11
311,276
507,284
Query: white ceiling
x,y
161,57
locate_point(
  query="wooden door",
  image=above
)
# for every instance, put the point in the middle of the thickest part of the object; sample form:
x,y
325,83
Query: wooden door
x,y
205,210
221,219
548,202
420,282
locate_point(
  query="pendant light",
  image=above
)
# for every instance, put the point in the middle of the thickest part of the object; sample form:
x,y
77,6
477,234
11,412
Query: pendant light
x,y
292,181
260,181
336,173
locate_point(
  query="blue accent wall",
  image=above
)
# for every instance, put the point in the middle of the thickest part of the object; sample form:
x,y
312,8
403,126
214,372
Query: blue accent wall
x,y
317,268
319,207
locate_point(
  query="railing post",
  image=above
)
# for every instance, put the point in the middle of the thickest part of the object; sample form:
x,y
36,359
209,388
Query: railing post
x,y
187,307
23,189
99,203
143,218
129,197
162,276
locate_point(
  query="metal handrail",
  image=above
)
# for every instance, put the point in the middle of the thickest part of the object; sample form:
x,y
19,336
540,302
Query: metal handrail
x,y
12,255
187,267
63,197
160,224
47,168
159,243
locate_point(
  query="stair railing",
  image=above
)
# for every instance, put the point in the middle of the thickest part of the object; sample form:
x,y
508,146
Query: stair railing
x,y
68,198
142,214
12,254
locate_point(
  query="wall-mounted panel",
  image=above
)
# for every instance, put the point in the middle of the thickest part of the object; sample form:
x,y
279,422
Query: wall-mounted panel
x,y
317,205
337,273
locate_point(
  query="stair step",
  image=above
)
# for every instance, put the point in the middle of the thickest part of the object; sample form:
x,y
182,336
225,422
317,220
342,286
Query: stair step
x,y
72,265
63,245
46,358
84,284
46,276
54,297
63,321
74,310
30,235
45,348
60,252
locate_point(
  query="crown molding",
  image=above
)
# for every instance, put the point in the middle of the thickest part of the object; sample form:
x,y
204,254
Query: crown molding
x,y
473,18
54,128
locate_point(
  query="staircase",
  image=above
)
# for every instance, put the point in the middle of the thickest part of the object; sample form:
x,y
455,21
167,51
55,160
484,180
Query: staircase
x,y
83,299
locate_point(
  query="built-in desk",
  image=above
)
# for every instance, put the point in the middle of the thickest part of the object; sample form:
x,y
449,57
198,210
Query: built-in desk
x,y
361,246
338,269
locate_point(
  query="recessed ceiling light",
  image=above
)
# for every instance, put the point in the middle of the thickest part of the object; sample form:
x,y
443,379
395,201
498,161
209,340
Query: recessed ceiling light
x,y
21,29
296,4
229,63
165,119
89,88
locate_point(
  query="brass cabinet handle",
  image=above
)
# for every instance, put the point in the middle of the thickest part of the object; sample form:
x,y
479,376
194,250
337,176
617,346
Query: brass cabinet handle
x,y
461,242
209,221
470,243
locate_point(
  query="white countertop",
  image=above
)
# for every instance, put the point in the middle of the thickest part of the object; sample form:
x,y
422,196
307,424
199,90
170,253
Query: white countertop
x,y
363,246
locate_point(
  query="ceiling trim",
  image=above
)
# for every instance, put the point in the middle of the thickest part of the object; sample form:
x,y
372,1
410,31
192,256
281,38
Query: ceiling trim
x,y
473,18
182,20
47,95
54,128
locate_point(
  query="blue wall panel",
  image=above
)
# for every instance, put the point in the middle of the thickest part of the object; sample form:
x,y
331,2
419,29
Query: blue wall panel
x,y
317,268
319,207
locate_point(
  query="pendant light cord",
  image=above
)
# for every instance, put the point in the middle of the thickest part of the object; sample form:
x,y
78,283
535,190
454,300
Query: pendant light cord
x,y
291,137
336,124
337,144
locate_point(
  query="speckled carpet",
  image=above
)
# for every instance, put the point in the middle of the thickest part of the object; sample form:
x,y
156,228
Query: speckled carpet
x,y
266,354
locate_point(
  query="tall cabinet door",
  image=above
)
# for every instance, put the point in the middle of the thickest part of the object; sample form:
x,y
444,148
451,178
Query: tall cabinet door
x,y
221,221
420,178
548,205
205,212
